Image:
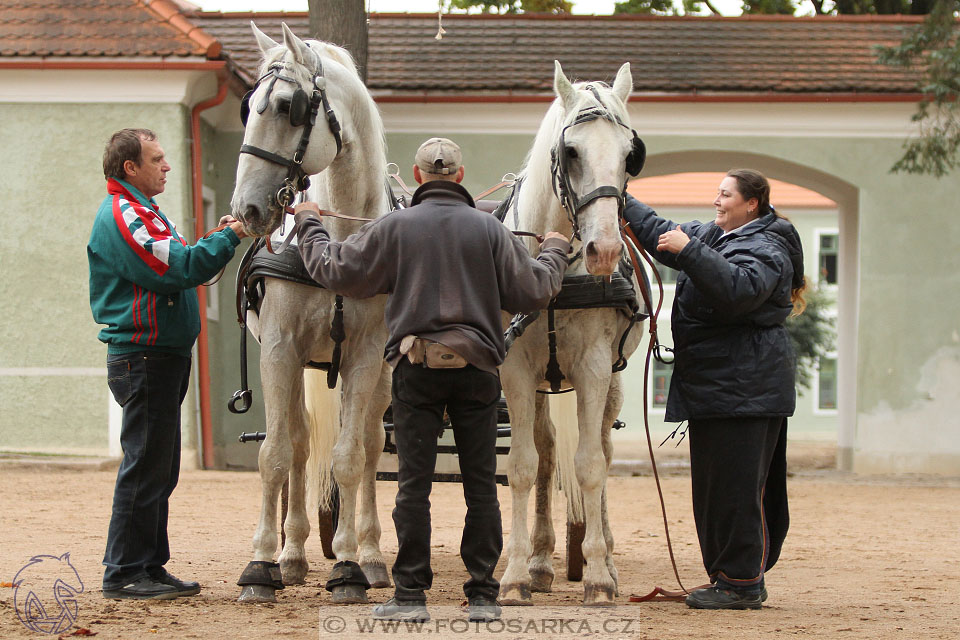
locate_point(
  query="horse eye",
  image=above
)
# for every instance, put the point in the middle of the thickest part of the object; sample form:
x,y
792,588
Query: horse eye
x,y
571,153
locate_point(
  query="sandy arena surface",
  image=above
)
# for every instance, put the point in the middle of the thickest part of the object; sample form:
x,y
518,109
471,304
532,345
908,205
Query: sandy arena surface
x,y
870,558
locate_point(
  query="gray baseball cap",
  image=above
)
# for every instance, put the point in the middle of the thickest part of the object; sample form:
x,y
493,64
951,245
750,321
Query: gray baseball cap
x,y
439,156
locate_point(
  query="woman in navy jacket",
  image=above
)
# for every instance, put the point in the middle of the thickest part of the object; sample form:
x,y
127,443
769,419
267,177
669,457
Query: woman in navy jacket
x,y
741,276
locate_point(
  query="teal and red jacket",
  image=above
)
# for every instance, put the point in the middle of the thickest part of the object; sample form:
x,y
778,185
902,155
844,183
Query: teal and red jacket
x,y
143,274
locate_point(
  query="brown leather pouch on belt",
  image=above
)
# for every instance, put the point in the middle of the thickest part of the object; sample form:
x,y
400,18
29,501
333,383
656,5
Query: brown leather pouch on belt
x,y
432,355
439,356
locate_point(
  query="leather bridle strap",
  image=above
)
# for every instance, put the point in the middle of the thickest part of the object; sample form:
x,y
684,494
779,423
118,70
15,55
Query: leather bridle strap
x,y
633,248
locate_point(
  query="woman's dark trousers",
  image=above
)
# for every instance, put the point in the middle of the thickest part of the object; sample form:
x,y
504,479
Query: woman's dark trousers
x,y
150,386
738,468
470,397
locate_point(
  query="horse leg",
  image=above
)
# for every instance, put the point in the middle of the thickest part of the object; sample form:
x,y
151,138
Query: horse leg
x,y
293,558
347,584
371,558
598,585
544,538
610,413
281,396
519,388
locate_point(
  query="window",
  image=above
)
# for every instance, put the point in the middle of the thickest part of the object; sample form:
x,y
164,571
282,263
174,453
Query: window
x,y
829,249
667,275
827,383
661,383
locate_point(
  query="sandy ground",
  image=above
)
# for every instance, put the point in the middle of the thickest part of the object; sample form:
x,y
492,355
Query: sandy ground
x,y
865,558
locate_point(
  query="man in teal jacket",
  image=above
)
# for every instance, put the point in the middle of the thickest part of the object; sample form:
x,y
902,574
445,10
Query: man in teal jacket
x,y
142,287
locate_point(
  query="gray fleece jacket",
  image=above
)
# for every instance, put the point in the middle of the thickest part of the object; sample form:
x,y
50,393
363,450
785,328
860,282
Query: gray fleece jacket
x,y
447,268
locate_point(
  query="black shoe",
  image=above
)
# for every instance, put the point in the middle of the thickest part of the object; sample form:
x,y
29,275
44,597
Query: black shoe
x,y
763,594
483,610
183,587
407,610
717,598
144,588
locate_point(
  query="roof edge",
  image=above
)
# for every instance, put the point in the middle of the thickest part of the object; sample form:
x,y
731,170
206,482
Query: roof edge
x,y
895,18
111,65
428,97
170,13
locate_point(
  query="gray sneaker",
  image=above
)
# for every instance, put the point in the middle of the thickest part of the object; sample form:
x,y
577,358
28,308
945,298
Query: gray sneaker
x,y
483,610
407,610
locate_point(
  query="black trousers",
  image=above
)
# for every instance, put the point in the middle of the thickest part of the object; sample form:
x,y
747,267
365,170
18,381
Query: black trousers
x,y
470,397
150,386
738,468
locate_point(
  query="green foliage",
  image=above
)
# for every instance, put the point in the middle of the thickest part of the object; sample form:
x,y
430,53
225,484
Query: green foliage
x,y
515,6
663,7
812,333
782,7
935,48
645,7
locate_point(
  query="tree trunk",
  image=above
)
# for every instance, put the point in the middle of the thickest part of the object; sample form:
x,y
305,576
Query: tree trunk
x,y
342,22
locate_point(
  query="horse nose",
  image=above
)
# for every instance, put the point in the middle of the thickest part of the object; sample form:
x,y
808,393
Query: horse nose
x,y
602,256
250,214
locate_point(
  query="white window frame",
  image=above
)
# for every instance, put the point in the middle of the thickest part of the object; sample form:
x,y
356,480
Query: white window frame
x,y
662,320
817,411
817,234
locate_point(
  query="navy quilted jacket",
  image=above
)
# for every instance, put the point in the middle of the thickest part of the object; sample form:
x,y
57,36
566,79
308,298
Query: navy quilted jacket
x,y
733,354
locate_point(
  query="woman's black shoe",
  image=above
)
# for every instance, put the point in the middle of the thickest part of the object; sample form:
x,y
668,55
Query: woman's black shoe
x,y
717,598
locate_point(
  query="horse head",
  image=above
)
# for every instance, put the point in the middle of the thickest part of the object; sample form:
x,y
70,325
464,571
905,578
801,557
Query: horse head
x,y
291,129
593,150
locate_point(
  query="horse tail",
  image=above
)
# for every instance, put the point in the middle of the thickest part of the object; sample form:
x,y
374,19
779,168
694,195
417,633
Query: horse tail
x,y
563,413
323,414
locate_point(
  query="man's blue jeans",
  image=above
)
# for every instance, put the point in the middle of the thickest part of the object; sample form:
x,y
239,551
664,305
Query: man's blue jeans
x,y
150,386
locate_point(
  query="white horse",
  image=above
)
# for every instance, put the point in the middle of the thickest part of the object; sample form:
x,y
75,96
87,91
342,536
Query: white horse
x,y
295,319
587,132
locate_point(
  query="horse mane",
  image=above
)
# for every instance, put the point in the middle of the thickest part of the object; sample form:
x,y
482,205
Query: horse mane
x,y
537,179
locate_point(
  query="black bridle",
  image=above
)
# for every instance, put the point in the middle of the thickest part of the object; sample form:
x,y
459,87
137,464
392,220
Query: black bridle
x,y
559,168
302,113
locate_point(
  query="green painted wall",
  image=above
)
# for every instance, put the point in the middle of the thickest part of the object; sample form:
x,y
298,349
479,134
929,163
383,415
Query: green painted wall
x,y
53,184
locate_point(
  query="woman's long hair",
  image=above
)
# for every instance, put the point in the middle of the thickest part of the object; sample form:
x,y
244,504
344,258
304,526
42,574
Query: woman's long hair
x,y
753,184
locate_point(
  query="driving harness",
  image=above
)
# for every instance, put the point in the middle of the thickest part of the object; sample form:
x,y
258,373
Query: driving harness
x,y
302,112
260,261
584,291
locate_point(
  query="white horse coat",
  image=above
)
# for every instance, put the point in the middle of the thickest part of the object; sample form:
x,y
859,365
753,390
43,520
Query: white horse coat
x,y
587,340
294,322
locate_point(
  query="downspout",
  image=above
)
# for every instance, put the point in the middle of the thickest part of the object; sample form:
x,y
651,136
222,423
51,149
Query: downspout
x,y
203,347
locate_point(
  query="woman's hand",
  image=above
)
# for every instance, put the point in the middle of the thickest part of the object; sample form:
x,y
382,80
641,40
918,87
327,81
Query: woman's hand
x,y
673,241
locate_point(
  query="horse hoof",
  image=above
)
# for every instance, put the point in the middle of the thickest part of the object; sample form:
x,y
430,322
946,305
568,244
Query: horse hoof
x,y
599,596
349,594
255,593
376,573
294,571
515,595
541,581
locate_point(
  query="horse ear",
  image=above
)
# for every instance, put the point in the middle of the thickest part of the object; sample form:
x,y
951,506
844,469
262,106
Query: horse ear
x,y
264,41
297,46
562,86
623,85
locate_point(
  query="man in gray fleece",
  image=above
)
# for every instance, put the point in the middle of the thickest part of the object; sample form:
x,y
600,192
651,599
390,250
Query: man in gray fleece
x,y
448,270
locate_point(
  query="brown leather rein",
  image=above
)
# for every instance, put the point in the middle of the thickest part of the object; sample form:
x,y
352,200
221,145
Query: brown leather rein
x,y
633,248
